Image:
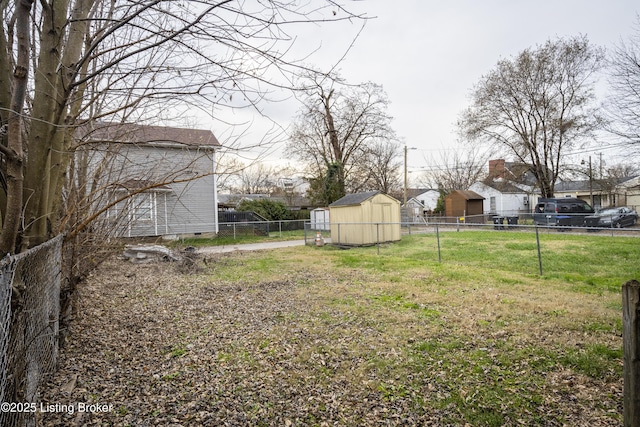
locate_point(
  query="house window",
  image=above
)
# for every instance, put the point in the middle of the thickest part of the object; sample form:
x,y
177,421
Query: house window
x,y
492,204
142,207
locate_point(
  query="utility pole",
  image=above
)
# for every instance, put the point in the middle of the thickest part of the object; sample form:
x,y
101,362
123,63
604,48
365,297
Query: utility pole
x,y
405,177
590,182
405,173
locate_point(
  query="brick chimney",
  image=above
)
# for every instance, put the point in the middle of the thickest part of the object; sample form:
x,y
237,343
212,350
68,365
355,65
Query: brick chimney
x,y
496,169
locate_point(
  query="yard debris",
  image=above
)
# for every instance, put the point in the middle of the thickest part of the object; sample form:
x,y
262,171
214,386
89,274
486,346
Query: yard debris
x,y
149,253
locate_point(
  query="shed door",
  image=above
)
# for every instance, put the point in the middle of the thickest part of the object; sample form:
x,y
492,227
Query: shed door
x,y
386,219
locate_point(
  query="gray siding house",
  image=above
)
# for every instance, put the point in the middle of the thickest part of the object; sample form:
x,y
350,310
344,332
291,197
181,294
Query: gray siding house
x,y
150,180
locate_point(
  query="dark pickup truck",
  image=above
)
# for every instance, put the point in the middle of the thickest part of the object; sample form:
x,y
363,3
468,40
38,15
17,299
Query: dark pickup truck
x,y
564,212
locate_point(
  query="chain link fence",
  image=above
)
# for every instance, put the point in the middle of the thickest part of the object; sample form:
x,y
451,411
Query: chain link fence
x,y
29,312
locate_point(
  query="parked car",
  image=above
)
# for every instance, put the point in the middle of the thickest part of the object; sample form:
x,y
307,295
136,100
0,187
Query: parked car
x,y
613,217
562,211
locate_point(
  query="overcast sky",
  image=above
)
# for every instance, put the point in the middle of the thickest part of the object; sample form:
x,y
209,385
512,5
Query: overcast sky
x,y
428,54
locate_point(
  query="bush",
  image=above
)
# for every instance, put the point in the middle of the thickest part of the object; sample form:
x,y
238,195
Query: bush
x,y
270,210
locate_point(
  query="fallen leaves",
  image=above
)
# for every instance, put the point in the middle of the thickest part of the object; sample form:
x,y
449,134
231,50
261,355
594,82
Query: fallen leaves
x,y
165,348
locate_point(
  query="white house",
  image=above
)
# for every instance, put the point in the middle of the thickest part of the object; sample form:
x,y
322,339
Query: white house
x,y
603,193
428,199
503,197
630,189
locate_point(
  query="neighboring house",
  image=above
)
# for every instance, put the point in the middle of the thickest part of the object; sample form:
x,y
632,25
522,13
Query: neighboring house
x,y
293,202
503,198
515,172
507,189
365,219
157,180
630,191
413,211
602,193
420,202
231,201
428,198
582,189
510,189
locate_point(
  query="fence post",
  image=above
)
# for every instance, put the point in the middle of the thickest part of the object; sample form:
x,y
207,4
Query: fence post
x,y
539,255
630,328
378,237
438,238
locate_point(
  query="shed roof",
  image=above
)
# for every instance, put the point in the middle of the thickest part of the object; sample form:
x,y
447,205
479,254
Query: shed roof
x,y
468,194
354,199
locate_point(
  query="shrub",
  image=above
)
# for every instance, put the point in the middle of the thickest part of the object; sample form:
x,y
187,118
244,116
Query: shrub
x,y
271,210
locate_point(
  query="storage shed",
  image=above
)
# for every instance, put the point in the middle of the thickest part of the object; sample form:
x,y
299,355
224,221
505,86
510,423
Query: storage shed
x,y
365,219
464,203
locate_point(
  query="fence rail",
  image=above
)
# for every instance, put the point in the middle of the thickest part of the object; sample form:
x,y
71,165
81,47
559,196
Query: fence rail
x,y
342,234
478,222
29,313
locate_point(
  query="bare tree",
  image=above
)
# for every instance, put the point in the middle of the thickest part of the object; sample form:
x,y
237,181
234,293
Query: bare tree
x,y
257,178
455,169
381,168
537,106
336,129
14,150
624,80
126,61
613,176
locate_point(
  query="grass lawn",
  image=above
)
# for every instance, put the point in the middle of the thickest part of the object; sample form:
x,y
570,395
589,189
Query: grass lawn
x,y
371,336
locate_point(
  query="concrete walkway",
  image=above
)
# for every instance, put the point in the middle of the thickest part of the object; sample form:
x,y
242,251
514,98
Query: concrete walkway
x,y
250,247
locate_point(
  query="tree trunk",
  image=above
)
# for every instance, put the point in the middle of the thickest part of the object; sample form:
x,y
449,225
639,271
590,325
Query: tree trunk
x,y
335,143
14,150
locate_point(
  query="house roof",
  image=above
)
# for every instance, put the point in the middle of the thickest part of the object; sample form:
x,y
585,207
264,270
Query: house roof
x,y
596,185
354,199
234,199
415,192
511,171
146,134
503,186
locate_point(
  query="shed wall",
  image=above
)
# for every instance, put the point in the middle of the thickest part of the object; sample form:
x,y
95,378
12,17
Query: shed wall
x,y
374,220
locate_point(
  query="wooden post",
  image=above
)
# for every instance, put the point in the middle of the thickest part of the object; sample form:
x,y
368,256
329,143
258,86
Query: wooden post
x,y
630,329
